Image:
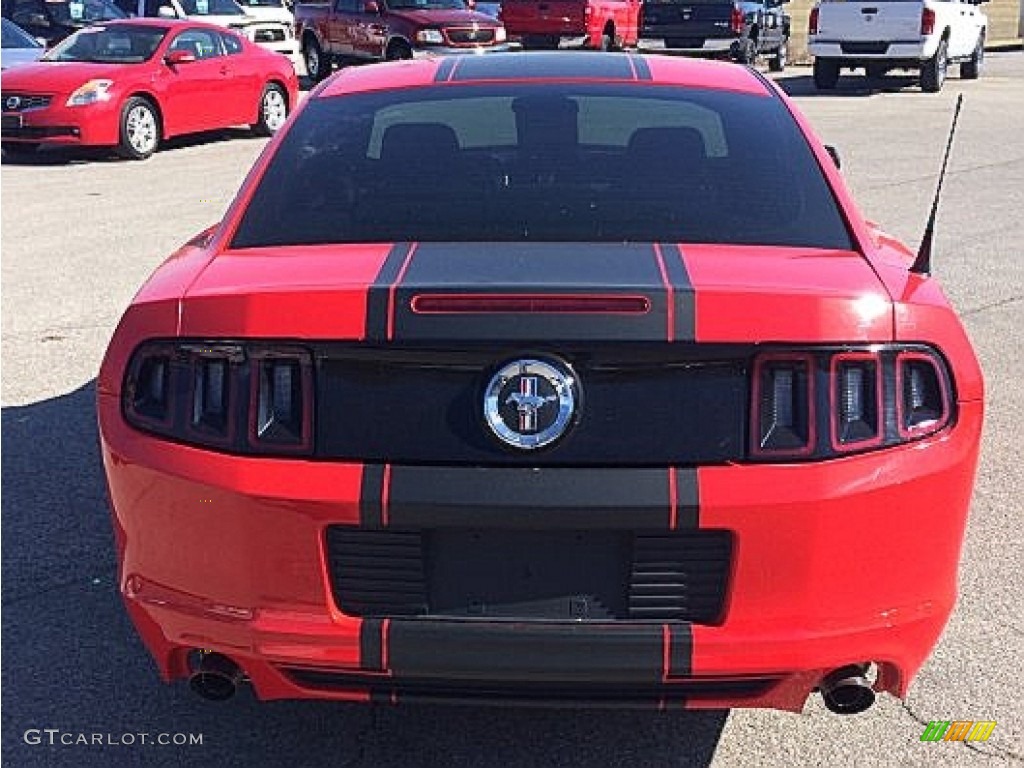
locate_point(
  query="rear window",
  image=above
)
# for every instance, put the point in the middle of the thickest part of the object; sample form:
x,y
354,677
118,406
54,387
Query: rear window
x,y
574,162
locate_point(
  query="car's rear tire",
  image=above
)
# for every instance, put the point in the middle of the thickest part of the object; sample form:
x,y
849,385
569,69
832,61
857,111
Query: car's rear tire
x,y
933,71
398,50
777,61
826,74
607,40
971,69
140,129
318,66
273,110
20,149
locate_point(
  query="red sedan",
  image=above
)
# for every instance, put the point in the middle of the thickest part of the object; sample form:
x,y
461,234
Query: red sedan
x,y
132,84
530,377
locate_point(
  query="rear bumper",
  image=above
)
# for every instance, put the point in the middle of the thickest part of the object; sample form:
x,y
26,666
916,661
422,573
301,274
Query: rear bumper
x,y
909,53
841,562
709,47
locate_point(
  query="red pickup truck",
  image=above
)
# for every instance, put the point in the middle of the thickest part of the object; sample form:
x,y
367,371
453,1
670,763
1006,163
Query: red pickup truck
x,y
598,24
378,30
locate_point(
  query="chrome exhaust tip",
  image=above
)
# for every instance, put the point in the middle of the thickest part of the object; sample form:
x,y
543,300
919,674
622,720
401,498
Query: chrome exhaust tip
x,y
215,677
846,691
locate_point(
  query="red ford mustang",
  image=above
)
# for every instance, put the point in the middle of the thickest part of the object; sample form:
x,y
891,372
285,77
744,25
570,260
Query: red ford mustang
x,y
542,378
131,84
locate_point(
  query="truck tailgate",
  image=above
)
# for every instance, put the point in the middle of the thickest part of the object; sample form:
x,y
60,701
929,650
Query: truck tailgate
x,y
686,20
880,20
544,17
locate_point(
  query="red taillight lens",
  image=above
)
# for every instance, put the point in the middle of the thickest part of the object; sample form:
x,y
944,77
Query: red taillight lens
x,y
923,400
199,392
736,19
867,398
812,24
783,405
281,414
856,401
927,21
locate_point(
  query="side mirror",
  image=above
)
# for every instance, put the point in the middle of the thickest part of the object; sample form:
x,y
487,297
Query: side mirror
x,y
371,6
174,58
834,154
166,12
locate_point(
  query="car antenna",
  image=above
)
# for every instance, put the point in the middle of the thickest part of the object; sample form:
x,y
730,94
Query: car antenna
x,y
923,263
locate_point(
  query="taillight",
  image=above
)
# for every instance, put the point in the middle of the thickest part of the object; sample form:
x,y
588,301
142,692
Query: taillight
x,y
856,400
783,405
245,398
812,24
927,21
820,403
922,400
736,19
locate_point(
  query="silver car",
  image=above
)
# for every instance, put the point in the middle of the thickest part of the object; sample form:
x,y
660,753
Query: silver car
x,y
19,47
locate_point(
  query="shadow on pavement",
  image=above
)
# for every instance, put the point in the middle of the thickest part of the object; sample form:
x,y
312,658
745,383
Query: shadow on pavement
x,y
849,85
80,155
73,662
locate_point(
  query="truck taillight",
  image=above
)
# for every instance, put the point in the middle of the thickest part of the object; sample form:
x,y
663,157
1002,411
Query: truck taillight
x,y
239,398
927,21
736,19
822,403
812,24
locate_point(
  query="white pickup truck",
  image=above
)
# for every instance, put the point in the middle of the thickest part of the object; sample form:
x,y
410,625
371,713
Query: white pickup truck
x,y
879,35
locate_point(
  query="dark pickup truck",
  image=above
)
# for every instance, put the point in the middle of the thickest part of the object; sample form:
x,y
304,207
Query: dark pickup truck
x,y
742,30
376,30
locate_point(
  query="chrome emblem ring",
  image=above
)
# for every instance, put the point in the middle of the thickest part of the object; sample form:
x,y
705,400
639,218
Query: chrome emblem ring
x,y
530,403
12,103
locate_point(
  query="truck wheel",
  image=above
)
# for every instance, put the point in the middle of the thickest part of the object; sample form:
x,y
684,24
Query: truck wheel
x,y
318,66
777,62
826,74
748,53
933,72
971,69
397,50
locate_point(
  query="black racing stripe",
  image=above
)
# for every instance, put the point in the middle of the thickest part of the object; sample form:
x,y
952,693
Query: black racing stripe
x,y
592,269
444,70
378,300
643,71
521,652
680,662
539,498
685,311
371,648
546,65
371,496
687,499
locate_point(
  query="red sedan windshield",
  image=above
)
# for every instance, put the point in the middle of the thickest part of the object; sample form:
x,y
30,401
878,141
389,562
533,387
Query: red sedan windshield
x,y
121,44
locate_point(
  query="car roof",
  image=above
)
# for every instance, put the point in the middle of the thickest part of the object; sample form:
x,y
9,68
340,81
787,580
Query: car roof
x,y
548,67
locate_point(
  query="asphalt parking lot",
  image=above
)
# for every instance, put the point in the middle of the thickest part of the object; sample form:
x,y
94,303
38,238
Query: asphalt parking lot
x,y
80,234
